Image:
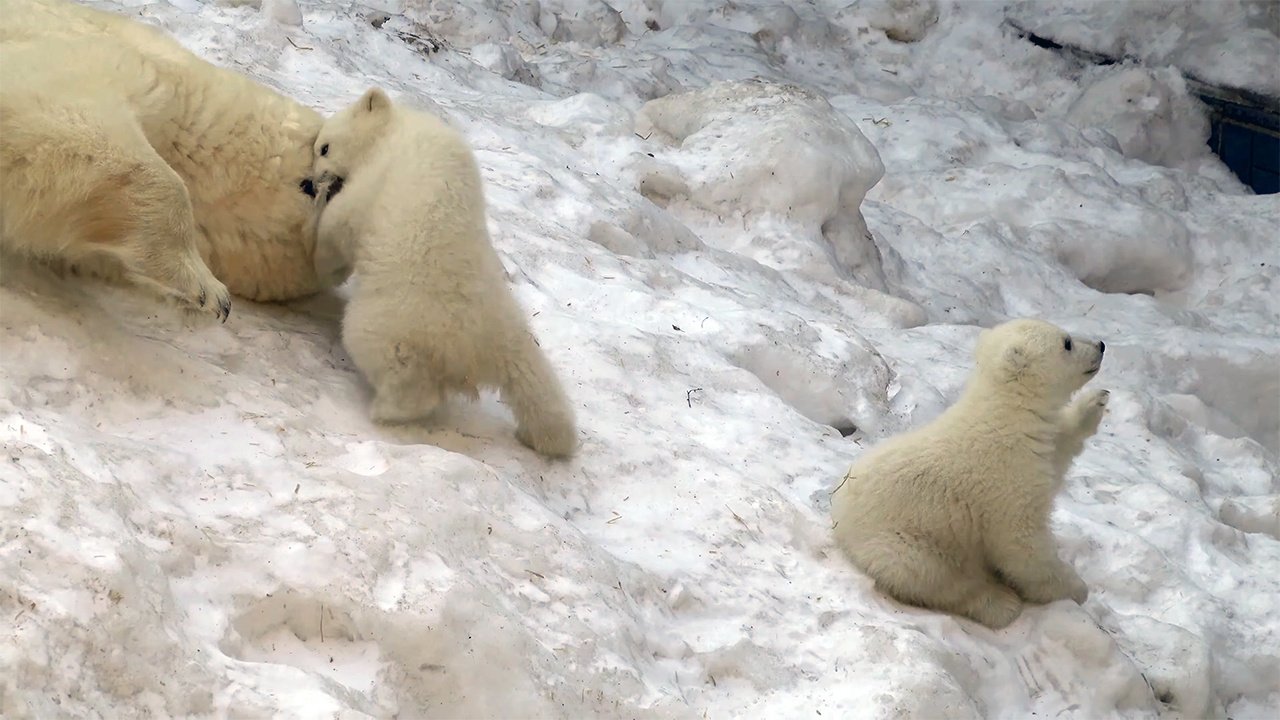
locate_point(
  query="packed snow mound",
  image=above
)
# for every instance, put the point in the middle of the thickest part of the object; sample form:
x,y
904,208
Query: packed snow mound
x,y
771,25
901,20
1149,113
761,147
1226,42
1053,214
201,520
592,23
991,176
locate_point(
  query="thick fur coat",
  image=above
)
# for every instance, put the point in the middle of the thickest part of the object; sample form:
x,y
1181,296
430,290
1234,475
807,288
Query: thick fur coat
x,y
431,311
124,152
954,515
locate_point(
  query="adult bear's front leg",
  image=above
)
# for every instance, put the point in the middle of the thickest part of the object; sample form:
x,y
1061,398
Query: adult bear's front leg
x,y
92,186
159,242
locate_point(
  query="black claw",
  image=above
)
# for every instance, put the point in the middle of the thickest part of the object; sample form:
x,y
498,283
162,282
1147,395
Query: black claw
x,y
225,306
202,298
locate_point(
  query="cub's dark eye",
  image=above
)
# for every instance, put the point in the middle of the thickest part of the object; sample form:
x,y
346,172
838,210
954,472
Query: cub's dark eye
x,y
1066,344
324,149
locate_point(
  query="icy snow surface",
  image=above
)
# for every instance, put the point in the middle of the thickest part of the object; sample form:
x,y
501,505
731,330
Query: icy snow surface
x,y
1235,43
201,520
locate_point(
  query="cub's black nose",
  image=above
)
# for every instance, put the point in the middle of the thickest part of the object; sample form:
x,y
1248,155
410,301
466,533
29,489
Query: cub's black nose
x,y
308,187
1102,347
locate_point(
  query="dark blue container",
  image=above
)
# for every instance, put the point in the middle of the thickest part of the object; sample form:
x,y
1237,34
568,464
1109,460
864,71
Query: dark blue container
x,y
1246,135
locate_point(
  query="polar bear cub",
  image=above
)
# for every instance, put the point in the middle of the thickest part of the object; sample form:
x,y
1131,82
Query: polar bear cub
x,y
401,203
954,515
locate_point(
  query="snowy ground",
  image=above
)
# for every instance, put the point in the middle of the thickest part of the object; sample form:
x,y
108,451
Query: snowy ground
x,y
1234,43
202,521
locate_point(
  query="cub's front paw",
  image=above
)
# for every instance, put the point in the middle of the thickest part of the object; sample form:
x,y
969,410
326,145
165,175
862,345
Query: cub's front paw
x,y
1089,409
1097,398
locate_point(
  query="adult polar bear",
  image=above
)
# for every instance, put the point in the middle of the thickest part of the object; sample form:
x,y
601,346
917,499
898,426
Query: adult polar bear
x,y
954,516
118,144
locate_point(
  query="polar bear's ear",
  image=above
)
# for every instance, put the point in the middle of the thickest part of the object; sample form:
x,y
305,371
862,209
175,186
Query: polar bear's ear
x,y
1016,360
374,100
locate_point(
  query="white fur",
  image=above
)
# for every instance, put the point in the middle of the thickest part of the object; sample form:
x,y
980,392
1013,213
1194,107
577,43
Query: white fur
x,y
954,515
432,311
121,149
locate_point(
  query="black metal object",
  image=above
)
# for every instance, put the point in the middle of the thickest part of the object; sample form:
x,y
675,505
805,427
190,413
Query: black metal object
x,y
1244,126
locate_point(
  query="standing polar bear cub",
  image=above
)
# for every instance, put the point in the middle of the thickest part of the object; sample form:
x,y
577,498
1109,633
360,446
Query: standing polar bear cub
x,y
954,516
401,203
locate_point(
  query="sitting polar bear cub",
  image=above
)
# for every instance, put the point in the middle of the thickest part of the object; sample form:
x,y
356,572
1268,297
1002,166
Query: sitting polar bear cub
x,y
954,515
401,202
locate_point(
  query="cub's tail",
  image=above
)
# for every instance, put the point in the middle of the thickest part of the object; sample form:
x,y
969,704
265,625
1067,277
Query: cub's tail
x,y
544,420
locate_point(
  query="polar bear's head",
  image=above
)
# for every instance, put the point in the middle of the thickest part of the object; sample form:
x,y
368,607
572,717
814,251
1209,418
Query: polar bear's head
x,y
347,138
1038,358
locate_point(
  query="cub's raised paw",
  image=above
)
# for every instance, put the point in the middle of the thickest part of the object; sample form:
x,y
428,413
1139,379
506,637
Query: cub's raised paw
x,y
1089,409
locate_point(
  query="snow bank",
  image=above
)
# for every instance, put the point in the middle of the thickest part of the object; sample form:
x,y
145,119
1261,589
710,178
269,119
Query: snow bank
x,y
591,23
201,521
901,20
1149,113
749,147
1233,43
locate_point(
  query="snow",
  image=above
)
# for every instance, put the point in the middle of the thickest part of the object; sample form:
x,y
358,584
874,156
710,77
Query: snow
x,y
1234,43
780,150
200,520
1148,113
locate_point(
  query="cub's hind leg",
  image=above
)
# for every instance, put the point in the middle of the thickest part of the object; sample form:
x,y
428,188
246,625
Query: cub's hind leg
x,y
404,395
913,572
404,387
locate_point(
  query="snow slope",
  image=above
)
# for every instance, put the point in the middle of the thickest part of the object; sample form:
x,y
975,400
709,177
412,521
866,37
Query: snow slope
x,y
201,520
1235,43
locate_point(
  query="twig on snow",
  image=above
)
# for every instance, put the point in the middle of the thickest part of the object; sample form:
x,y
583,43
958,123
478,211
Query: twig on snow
x,y
688,396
